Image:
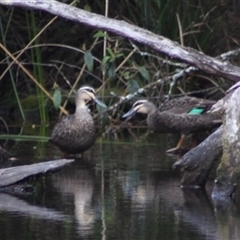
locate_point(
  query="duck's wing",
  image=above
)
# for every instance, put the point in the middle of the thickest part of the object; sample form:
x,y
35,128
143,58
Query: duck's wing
x,y
182,123
186,123
187,104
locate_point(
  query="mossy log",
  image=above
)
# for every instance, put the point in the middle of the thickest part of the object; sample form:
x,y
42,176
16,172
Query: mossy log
x,y
9,177
228,172
198,162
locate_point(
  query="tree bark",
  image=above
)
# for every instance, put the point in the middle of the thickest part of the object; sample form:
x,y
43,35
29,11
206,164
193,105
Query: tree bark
x,y
160,44
14,175
228,171
197,163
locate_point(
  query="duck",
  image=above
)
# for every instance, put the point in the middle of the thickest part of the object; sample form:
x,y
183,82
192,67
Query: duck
x,y
75,133
175,119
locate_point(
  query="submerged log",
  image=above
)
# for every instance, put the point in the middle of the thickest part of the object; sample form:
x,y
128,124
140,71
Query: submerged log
x,y
198,162
14,175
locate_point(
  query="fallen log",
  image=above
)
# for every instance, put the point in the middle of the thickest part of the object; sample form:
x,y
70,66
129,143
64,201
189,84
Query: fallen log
x,y
228,171
12,176
198,162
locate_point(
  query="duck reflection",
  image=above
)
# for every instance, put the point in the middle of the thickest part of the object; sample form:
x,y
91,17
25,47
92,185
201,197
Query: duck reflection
x,y
78,182
139,192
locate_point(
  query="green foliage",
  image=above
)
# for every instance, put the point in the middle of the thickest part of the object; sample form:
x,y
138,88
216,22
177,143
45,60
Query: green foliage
x,y
57,98
111,71
145,74
37,68
4,33
32,137
120,67
88,58
132,86
99,34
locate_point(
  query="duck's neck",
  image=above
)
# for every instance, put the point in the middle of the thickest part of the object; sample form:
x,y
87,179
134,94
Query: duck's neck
x,y
80,105
152,109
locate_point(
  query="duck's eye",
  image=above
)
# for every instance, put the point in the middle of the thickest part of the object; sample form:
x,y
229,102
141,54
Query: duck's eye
x,y
138,103
90,90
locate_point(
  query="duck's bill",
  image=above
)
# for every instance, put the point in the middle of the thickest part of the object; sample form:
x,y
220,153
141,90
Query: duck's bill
x,y
130,113
100,103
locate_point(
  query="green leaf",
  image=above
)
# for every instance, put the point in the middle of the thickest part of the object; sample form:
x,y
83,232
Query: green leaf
x,y
88,58
111,53
100,34
144,72
105,59
127,75
132,86
119,55
111,71
57,98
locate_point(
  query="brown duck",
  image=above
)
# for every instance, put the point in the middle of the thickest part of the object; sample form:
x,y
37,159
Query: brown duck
x,y
75,133
182,119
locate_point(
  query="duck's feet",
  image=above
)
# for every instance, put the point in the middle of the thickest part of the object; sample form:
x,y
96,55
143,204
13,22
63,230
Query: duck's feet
x,y
175,150
178,149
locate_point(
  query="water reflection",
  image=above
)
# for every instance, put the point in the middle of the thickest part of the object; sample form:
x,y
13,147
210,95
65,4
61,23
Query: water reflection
x,y
13,204
80,184
118,191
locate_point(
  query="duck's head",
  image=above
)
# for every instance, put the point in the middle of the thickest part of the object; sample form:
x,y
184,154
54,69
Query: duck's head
x,y
85,94
140,106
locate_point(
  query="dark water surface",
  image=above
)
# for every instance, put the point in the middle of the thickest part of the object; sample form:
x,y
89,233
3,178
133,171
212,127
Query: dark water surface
x,y
117,191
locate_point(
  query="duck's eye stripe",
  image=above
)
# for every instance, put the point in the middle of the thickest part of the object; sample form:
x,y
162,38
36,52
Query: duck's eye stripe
x,y
139,103
89,89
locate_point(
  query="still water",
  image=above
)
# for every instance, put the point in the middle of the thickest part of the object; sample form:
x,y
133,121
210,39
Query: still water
x,y
119,190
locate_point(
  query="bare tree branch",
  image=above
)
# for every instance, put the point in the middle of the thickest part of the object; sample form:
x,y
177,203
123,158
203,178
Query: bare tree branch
x,y
160,44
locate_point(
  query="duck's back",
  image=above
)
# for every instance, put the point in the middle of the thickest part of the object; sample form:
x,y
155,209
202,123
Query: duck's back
x,y
74,133
167,122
